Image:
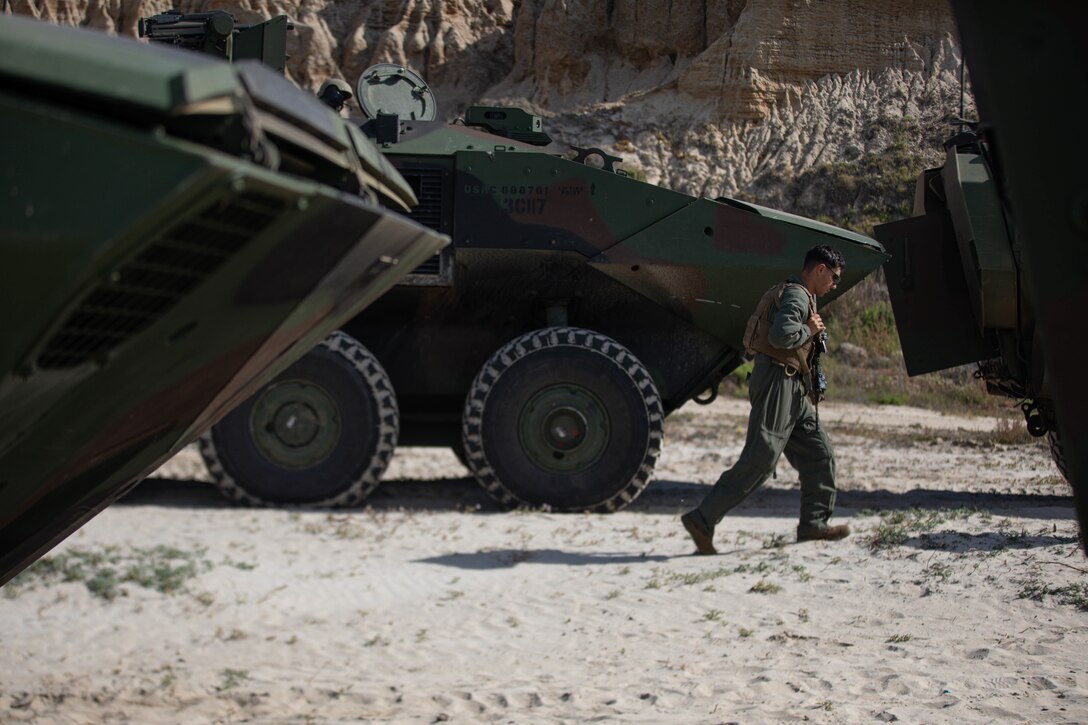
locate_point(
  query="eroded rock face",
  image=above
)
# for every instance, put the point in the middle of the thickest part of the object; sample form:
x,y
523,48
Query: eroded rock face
x,y
705,96
735,58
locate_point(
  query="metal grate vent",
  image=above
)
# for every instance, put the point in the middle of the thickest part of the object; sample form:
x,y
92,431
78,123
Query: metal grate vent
x,y
432,265
427,185
145,287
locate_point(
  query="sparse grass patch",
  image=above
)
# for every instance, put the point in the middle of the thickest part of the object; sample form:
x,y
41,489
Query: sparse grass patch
x,y
231,678
736,382
899,638
895,527
765,587
775,561
240,565
937,570
777,541
161,568
712,615
744,632
1075,595
169,679
698,577
1011,430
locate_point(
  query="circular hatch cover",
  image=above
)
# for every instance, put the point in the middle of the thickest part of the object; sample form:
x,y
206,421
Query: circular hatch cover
x,y
392,88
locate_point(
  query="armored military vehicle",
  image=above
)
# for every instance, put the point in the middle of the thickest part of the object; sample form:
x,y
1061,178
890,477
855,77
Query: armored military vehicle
x,y
175,232
575,309
991,267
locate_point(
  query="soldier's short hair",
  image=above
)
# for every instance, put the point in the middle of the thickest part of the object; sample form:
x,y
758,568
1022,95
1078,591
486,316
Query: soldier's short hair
x,y
824,254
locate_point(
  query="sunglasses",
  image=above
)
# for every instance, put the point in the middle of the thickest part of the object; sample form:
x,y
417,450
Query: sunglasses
x,y
835,276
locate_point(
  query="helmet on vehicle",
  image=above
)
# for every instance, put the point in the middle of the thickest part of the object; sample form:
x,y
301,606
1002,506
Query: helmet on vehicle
x,y
334,93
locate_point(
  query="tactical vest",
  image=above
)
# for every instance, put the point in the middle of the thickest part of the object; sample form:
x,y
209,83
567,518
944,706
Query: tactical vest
x,y
759,326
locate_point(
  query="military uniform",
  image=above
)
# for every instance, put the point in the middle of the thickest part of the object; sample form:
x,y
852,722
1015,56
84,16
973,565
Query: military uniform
x,y
783,420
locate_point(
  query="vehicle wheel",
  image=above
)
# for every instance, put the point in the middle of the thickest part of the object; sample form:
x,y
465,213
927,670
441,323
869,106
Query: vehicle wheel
x,y
563,418
459,451
320,434
1046,413
1057,451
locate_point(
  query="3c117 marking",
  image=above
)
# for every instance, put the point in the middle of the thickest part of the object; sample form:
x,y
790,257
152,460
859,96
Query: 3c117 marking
x,y
524,205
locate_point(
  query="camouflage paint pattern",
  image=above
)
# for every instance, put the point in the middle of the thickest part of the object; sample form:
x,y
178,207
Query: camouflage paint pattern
x,y
706,261
157,281
670,276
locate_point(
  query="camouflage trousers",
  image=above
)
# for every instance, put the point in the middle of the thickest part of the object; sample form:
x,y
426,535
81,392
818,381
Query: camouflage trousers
x,y
782,421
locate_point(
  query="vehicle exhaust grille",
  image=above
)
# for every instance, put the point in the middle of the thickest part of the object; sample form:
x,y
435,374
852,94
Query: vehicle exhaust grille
x,y
427,185
432,265
148,285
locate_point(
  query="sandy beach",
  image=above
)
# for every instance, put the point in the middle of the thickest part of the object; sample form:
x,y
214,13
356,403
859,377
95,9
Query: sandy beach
x,y
960,597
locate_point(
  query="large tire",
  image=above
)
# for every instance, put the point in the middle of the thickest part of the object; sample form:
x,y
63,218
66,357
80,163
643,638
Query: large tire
x,y
1053,435
1057,451
321,434
563,418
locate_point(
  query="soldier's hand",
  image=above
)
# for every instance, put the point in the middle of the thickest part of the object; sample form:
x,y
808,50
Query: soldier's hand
x,y
816,324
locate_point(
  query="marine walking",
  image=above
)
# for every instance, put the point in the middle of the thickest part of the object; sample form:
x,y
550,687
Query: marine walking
x,y
783,333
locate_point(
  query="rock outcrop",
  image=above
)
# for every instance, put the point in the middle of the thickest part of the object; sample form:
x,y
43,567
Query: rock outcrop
x,y
781,101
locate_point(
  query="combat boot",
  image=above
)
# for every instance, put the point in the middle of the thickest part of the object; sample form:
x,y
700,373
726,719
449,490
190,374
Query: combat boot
x,y
825,533
700,534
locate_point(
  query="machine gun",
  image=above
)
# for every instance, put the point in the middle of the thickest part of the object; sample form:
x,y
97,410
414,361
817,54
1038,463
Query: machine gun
x,y
818,383
217,33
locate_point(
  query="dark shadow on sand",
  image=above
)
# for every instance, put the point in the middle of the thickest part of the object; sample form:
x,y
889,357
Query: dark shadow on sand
x,y
441,494
678,496
174,493
961,542
506,558
660,497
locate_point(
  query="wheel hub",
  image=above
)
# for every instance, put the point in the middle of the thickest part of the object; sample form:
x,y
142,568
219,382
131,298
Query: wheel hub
x,y
564,428
295,424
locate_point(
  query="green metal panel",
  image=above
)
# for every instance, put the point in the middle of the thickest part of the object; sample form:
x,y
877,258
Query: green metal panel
x,y
983,238
152,282
509,199
111,69
69,217
434,138
929,295
266,42
709,261
800,221
376,165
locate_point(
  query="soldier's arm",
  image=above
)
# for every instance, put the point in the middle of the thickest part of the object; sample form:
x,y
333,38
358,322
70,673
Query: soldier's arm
x,y
790,328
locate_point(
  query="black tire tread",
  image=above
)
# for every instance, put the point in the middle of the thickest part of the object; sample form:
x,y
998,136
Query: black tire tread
x,y
381,388
534,342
